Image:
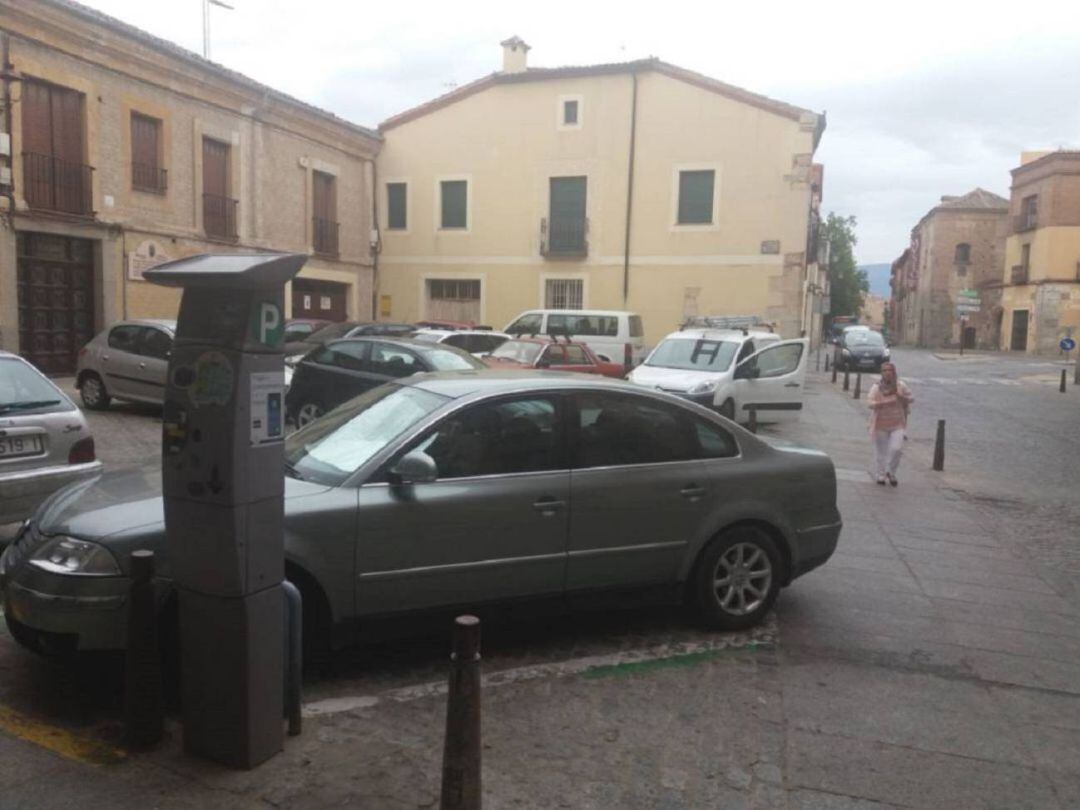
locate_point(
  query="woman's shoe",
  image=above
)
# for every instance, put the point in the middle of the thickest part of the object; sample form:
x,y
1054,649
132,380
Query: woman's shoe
x,y
892,480
881,480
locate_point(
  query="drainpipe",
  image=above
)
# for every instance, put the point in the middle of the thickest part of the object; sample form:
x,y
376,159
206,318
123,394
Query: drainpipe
x,y
6,70
629,190
376,243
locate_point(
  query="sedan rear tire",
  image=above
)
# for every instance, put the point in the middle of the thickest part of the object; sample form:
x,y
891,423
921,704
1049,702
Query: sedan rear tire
x,y
737,579
93,393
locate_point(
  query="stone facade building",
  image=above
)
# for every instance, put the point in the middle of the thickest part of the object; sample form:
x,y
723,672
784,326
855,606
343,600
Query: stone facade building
x,y
125,150
957,246
1041,292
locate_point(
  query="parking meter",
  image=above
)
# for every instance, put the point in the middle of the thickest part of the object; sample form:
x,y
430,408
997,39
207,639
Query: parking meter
x,y
223,480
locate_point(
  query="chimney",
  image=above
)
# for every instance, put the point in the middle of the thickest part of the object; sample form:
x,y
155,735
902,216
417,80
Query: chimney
x,y
515,55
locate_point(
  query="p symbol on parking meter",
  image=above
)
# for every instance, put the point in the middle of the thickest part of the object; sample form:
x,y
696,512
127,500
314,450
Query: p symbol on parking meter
x,y
267,326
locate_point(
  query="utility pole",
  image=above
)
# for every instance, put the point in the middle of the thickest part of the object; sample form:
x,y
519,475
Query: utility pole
x,y
206,23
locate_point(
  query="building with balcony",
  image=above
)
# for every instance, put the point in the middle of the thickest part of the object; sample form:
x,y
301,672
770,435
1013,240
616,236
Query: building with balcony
x,y
1041,279
637,185
125,151
954,256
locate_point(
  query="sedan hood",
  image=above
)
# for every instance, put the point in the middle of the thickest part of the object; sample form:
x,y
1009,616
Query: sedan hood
x,y
122,502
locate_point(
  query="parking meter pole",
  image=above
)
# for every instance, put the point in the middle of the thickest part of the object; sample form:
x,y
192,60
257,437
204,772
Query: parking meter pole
x,y
223,483
939,447
144,706
461,786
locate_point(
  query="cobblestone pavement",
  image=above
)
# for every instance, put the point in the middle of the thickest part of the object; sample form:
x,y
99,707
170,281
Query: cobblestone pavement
x,y
934,662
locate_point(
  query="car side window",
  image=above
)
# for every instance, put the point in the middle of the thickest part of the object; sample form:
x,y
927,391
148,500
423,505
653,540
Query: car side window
x,y
390,361
349,356
458,341
746,350
155,343
298,331
779,360
575,356
714,441
618,430
554,356
497,438
526,325
125,338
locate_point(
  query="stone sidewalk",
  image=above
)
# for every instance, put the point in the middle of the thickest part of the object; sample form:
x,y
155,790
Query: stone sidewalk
x,y
927,664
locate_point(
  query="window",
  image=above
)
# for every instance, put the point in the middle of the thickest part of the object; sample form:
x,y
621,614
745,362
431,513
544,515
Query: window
x,y
713,441
55,176
497,438
125,339
391,361
396,206
324,219
446,289
553,356
219,209
526,325
570,112
1029,212
781,360
963,253
349,356
746,350
696,197
575,356
454,203
451,360
146,155
636,329
586,325
693,355
156,343
617,430
564,293
567,225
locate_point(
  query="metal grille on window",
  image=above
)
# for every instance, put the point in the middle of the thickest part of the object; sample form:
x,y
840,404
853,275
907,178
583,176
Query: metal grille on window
x,y
564,293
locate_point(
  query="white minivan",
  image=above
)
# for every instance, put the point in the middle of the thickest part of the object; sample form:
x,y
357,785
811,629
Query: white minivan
x,y
614,336
731,371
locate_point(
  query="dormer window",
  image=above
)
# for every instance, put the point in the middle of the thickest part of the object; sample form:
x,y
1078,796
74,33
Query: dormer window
x,y
570,112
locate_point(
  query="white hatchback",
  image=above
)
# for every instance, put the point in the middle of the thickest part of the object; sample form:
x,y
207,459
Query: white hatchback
x,y
731,371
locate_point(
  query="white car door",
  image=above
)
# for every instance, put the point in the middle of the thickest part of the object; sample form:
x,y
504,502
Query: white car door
x,y
772,381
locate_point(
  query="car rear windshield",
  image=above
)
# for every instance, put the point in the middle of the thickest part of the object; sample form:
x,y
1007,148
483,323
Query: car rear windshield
x,y
863,337
693,355
24,389
428,337
520,351
330,449
331,332
451,359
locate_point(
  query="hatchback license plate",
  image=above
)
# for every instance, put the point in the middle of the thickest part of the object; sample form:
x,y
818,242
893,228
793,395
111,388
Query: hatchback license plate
x,y
15,446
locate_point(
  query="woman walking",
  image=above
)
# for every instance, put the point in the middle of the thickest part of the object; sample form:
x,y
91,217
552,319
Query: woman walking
x,y
889,400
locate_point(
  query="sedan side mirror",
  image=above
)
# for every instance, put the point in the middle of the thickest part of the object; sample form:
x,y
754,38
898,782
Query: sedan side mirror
x,y
416,467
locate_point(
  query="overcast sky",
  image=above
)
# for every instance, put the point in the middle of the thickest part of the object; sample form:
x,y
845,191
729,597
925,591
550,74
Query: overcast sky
x,y
924,97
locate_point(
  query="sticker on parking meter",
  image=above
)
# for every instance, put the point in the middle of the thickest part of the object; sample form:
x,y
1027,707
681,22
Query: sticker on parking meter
x,y
267,393
267,325
213,383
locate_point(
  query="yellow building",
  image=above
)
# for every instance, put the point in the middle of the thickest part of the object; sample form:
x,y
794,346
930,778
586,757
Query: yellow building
x,y
637,186
1041,294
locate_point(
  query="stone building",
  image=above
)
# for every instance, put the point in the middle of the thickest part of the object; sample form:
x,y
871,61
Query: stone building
x,y
957,246
125,150
637,185
1041,292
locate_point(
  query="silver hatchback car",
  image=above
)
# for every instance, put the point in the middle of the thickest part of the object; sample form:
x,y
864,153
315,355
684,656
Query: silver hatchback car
x,y
128,361
45,443
456,489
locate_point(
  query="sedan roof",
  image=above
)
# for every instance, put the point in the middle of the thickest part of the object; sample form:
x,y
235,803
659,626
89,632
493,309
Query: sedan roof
x,y
455,384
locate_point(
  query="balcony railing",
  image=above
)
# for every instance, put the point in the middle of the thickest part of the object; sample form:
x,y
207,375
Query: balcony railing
x,y
53,184
325,239
1027,221
148,178
219,216
564,238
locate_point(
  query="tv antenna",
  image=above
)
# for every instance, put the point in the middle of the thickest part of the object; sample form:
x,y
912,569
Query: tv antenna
x,y
206,23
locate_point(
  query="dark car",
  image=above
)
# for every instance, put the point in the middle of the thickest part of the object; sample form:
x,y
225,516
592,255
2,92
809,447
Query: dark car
x,y
296,349
861,350
300,329
343,369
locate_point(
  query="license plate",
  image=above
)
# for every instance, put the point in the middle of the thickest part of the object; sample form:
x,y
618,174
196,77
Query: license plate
x,y
15,446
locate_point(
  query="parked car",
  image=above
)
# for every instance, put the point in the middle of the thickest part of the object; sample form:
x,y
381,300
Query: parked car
x,y
127,361
296,350
45,442
551,353
860,350
614,336
457,490
474,341
342,369
731,371
297,329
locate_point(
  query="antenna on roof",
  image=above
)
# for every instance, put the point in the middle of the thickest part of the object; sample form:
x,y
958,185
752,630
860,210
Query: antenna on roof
x,y
206,23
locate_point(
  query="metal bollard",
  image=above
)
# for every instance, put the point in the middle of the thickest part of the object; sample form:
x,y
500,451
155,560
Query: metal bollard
x,y
827,365
834,372
752,424
294,655
939,446
144,705
461,751
858,384
1061,387
847,382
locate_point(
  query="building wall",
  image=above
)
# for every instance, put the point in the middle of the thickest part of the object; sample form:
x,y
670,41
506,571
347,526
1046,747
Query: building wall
x,y
506,140
276,144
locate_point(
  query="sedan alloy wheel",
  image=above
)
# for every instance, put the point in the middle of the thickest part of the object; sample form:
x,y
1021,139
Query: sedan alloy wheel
x,y
742,578
738,578
308,413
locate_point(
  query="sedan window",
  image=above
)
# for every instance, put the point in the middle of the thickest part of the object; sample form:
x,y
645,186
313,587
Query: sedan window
x,y
155,343
22,385
618,430
391,361
575,356
713,441
125,338
450,359
351,356
520,351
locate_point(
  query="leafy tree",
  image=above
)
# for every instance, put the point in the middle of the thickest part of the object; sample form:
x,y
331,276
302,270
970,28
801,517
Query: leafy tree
x,y
848,285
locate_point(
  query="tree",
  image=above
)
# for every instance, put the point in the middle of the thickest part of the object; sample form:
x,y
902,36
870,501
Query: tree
x,y
848,284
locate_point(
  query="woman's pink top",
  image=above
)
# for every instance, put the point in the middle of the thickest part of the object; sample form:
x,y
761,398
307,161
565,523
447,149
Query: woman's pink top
x,y
889,412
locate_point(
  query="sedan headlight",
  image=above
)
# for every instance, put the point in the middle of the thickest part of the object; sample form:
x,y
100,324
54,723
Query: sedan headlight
x,y
66,555
845,353
703,387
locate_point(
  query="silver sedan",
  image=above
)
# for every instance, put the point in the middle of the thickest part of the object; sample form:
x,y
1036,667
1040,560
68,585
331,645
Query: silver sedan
x,y
464,488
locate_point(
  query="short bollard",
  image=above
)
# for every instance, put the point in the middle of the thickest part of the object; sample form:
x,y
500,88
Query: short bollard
x,y
294,656
939,446
827,364
461,751
858,384
847,381
144,707
1061,387
834,372
752,424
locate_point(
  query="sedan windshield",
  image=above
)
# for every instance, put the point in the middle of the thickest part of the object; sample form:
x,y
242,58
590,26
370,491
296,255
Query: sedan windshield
x,y
451,359
693,355
23,388
863,337
520,351
330,449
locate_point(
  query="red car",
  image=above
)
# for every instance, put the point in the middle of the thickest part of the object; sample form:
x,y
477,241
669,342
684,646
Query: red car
x,y
546,353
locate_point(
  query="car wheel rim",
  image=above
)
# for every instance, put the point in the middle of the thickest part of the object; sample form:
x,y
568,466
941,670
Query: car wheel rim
x,y
308,413
742,579
91,391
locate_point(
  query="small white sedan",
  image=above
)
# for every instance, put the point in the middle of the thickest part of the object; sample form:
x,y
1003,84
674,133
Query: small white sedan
x,y
45,442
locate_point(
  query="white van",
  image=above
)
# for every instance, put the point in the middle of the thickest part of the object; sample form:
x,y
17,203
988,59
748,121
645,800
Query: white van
x,y
614,336
730,371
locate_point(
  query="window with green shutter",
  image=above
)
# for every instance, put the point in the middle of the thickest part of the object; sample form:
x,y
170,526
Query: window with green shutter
x,y
696,197
396,196
454,203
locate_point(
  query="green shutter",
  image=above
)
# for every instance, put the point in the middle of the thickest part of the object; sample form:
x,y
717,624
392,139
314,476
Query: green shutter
x,y
395,204
454,204
566,226
696,197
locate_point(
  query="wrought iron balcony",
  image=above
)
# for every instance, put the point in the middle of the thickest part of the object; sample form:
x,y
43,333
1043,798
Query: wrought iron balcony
x,y
325,236
564,239
53,184
1028,221
149,178
219,216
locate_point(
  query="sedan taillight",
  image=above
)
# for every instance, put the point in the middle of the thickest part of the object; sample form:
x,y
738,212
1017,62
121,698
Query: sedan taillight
x,y
82,452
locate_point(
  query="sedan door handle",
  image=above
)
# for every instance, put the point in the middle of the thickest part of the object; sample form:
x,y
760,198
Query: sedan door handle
x,y
548,505
142,365
791,385
692,492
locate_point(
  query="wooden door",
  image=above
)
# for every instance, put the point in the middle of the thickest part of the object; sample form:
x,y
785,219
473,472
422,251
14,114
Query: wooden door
x,y
1019,330
324,222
